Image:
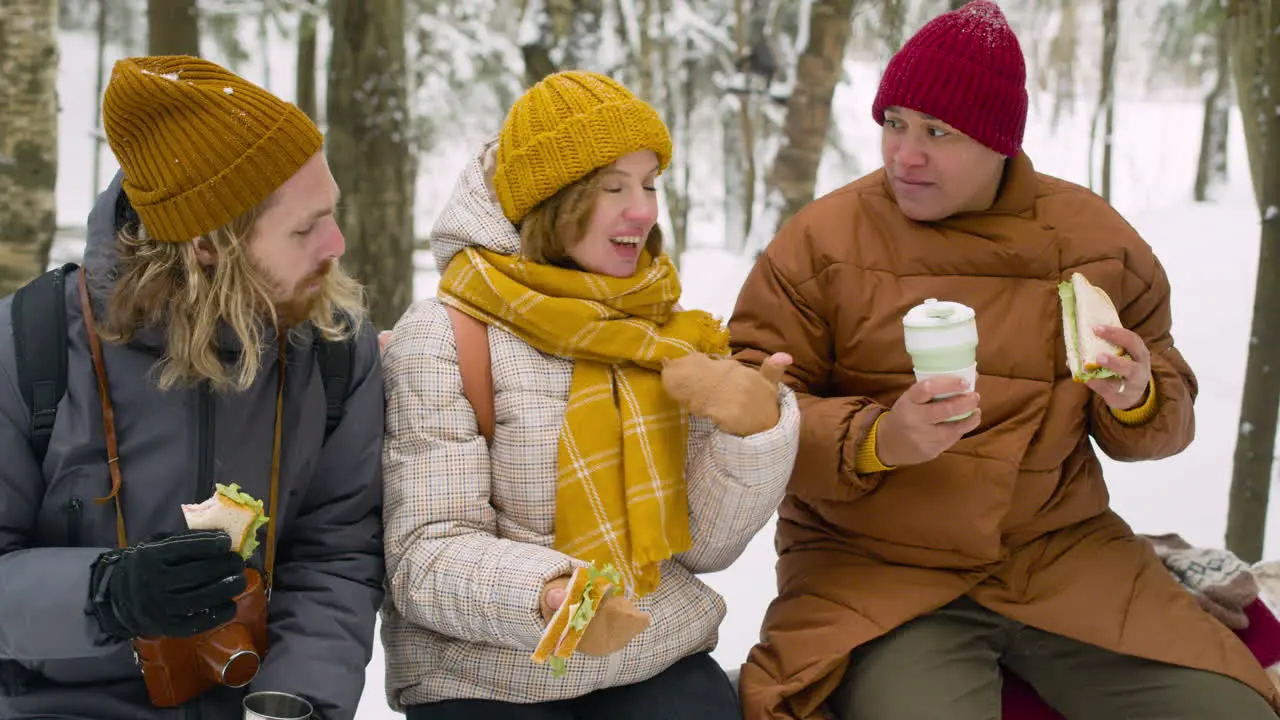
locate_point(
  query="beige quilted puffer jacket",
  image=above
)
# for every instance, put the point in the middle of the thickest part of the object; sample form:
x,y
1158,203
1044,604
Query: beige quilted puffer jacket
x,y
469,528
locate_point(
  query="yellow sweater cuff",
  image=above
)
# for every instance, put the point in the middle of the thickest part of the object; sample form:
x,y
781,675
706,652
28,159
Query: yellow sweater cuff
x,y
867,463
1142,414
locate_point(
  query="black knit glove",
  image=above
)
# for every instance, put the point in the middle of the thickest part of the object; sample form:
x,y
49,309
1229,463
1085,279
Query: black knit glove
x,y
169,586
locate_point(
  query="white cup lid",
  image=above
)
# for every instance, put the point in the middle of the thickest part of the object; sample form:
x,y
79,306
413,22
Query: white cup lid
x,y
937,313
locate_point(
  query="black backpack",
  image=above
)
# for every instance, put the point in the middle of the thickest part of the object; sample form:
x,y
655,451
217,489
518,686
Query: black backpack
x,y
39,316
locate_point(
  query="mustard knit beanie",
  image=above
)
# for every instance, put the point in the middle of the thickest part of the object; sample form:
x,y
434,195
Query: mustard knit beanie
x,y
566,126
199,145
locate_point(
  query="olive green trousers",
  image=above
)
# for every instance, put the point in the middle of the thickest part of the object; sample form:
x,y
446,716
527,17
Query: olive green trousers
x,y
946,666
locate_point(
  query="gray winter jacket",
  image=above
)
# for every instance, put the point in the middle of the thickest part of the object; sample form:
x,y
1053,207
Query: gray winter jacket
x,y
54,661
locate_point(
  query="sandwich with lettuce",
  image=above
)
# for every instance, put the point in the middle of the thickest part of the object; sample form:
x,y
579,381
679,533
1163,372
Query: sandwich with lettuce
x,y
1084,307
229,509
587,587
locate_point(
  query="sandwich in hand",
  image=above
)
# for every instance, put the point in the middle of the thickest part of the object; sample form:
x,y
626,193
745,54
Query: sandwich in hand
x,y
1084,307
587,587
239,514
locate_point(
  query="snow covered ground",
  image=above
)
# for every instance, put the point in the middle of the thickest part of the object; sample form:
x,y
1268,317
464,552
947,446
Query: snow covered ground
x,y
1209,250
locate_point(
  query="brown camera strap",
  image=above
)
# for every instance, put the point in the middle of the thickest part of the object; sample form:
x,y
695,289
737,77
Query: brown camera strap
x,y
113,449
274,500
108,412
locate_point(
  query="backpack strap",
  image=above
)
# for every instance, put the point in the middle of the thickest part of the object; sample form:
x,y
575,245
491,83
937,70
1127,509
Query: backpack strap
x,y
475,365
39,316
335,360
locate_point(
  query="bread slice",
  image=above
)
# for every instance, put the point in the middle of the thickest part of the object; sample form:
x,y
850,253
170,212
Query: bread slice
x,y
1085,306
229,509
559,623
596,591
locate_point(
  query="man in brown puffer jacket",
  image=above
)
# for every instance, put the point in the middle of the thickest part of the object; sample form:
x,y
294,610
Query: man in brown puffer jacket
x,y
918,556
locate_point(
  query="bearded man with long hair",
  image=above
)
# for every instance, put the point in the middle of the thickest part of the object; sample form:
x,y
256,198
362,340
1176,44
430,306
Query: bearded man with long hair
x,y
196,334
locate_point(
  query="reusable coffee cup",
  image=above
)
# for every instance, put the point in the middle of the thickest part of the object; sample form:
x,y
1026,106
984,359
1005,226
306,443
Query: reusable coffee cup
x,y
275,706
942,338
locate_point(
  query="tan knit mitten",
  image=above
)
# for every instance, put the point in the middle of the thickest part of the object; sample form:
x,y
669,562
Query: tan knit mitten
x,y
738,398
616,623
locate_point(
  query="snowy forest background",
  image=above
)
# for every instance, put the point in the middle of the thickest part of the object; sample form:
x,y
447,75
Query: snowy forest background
x,y
1164,107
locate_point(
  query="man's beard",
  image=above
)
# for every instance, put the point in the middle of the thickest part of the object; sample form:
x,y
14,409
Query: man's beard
x,y
306,298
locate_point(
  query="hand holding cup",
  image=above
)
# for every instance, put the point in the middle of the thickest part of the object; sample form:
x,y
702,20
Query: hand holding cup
x,y
919,428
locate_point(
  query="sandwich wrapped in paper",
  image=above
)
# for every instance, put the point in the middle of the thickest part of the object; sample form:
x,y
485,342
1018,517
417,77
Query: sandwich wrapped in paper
x,y
229,509
587,587
1084,307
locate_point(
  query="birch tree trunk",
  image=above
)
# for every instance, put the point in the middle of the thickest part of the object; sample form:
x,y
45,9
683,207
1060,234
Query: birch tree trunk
x,y
1106,109
264,45
99,78
738,184
738,138
28,139
1211,168
678,92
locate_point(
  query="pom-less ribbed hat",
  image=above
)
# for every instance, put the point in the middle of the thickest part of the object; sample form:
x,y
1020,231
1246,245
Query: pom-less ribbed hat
x,y
564,127
965,68
198,144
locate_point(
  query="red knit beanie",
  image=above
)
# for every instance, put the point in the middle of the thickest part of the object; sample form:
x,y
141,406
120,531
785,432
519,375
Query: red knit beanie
x,y
965,68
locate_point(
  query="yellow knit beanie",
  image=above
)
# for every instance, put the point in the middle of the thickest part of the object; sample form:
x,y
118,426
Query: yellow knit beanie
x,y
566,126
199,145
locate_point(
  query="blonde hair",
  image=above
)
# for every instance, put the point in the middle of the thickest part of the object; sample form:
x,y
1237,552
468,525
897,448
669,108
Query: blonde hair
x,y
559,222
164,285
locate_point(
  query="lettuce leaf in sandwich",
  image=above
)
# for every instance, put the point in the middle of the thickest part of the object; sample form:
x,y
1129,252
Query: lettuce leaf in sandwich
x,y
595,592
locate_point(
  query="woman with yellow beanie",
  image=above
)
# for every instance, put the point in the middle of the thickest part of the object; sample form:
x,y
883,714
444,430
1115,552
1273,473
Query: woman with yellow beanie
x,y
605,428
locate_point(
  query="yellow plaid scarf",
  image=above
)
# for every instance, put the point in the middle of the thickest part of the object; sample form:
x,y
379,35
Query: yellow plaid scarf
x,y
620,494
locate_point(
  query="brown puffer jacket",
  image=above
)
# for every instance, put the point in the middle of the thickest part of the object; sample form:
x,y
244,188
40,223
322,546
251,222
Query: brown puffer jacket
x,y
1016,514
